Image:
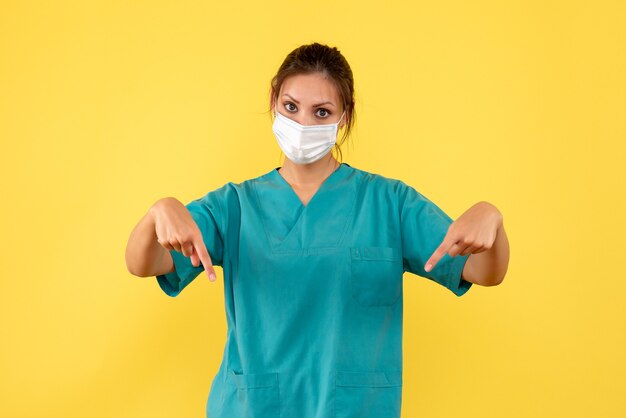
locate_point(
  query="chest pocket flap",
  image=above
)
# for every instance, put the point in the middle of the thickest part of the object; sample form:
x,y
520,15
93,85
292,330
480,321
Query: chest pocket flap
x,y
376,275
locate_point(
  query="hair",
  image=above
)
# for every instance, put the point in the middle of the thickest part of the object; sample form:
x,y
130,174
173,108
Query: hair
x,y
318,58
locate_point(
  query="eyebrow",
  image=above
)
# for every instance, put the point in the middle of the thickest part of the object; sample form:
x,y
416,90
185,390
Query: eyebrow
x,y
315,105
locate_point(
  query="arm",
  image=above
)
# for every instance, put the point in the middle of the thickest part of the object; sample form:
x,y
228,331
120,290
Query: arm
x,y
489,267
145,257
479,232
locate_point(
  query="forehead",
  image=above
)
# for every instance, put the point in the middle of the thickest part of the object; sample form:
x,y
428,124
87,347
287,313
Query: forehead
x,y
310,88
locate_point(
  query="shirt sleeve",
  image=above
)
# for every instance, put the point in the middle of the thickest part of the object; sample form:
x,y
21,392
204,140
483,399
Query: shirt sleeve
x,y
424,226
206,212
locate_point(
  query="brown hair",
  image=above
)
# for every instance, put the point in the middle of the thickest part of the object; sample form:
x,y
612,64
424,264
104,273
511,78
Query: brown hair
x,y
318,58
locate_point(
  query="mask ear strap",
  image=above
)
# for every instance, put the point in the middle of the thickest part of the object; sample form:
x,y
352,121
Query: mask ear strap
x,y
339,121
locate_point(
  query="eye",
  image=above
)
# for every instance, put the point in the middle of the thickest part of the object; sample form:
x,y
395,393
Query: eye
x,y
287,104
325,114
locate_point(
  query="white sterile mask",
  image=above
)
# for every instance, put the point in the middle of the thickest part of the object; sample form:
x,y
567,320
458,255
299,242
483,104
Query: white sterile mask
x,y
304,144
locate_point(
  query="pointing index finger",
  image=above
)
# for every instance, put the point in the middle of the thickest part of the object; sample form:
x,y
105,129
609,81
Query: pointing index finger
x,y
438,254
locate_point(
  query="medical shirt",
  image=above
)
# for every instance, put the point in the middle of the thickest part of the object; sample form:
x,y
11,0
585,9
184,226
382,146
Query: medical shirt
x,y
313,294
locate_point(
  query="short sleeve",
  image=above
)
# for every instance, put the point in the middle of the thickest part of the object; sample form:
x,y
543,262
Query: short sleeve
x,y
424,226
206,212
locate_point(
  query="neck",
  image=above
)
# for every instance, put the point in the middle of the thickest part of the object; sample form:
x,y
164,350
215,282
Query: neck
x,y
313,174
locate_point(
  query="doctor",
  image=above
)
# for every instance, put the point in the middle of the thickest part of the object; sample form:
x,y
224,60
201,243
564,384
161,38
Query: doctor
x,y
313,255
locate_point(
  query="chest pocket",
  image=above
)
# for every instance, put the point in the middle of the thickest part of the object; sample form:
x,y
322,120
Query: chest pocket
x,y
376,275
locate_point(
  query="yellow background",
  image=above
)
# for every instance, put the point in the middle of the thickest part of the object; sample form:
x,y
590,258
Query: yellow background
x,y
107,106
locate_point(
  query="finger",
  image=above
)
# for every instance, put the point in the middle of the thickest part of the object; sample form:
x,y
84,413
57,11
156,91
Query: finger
x,y
187,248
175,244
165,244
470,249
458,248
203,254
195,260
439,252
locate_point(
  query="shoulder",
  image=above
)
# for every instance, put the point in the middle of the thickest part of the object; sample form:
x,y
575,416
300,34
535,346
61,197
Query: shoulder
x,y
379,183
233,191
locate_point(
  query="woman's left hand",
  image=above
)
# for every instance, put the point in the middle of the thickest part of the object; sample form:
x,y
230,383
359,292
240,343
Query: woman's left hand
x,y
473,232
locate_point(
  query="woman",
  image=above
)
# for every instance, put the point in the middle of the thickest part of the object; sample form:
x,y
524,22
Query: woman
x,y
313,255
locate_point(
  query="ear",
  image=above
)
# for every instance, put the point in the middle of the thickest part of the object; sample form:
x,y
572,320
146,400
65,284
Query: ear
x,y
345,119
273,103
348,115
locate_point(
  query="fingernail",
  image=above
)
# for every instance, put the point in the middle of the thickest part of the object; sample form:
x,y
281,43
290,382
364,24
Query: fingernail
x,y
428,267
212,277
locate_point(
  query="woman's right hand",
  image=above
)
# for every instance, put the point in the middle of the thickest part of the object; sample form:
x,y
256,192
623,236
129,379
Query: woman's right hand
x,y
176,230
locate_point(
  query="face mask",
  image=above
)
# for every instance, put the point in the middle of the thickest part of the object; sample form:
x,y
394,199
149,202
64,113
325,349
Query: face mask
x,y
304,144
